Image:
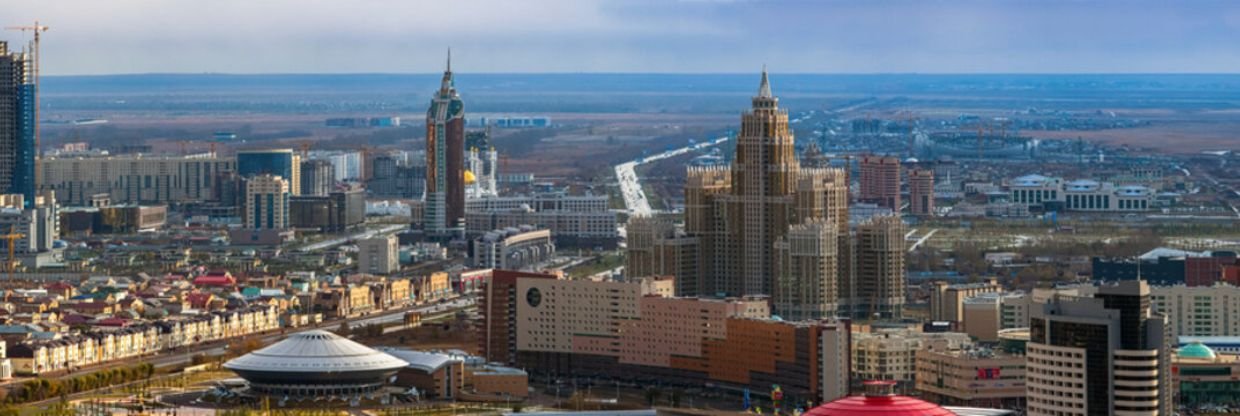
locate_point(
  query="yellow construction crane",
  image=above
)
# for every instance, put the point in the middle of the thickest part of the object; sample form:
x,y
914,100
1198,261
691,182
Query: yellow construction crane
x,y
11,240
37,29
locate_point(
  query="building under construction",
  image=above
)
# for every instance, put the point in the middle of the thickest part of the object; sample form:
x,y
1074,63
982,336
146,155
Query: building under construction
x,y
17,122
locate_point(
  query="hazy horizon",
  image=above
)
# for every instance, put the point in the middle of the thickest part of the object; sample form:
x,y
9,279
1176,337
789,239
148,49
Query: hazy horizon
x,y
634,36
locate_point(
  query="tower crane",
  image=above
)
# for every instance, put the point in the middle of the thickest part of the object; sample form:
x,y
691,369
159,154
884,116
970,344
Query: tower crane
x,y
11,240
36,29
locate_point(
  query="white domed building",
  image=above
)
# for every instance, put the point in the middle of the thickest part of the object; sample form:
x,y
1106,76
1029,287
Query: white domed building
x,y
315,363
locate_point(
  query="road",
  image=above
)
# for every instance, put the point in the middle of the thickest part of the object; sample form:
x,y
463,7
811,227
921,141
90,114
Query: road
x,y
356,236
921,240
631,188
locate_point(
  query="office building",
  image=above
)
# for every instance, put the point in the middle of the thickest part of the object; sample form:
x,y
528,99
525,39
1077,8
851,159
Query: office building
x,y
921,192
512,248
807,285
18,123
378,255
134,179
1055,194
947,300
880,181
1104,355
574,220
654,246
318,177
335,212
444,215
881,276
986,315
1204,377
483,167
267,203
277,162
738,212
891,354
972,376
128,219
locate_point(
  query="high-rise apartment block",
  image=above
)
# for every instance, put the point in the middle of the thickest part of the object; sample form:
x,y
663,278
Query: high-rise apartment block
x,y
267,202
444,215
17,123
1105,355
879,283
807,287
137,179
656,247
318,177
880,181
921,192
738,213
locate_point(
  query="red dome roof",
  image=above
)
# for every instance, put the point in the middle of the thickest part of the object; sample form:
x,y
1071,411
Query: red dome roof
x,y
877,403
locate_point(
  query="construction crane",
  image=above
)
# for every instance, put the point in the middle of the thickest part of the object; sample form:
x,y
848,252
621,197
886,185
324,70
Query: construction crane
x,y
11,240
36,29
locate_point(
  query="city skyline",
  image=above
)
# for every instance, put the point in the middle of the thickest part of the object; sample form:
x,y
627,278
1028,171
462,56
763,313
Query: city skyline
x,y
555,36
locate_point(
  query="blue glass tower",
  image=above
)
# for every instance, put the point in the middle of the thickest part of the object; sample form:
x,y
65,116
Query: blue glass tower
x,y
17,124
23,163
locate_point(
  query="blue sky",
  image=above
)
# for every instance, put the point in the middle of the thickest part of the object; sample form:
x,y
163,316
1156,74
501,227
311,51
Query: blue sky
x,y
681,36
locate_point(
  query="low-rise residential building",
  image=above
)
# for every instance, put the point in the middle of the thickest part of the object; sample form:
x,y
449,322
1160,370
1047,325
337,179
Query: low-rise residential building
x,y
972,377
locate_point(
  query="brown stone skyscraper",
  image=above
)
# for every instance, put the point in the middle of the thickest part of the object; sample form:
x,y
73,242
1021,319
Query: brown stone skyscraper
x,y
880,181
444,214
881,273
739,213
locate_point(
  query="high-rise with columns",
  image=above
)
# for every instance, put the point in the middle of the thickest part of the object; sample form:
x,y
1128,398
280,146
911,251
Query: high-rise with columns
x,y
739,213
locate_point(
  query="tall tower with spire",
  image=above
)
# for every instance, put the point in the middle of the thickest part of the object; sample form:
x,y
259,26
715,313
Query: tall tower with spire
x,y
759,210
739,216
444,213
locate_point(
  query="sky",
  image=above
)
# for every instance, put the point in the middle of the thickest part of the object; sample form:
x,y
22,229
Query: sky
x,y
90,37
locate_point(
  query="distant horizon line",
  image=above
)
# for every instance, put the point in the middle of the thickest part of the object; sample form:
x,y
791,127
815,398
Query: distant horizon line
x,y
755,73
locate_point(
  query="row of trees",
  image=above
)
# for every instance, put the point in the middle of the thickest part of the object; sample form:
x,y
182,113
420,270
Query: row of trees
x,y
43,388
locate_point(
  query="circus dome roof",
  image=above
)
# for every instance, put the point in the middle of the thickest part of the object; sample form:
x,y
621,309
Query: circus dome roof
x,y
315,352
879,401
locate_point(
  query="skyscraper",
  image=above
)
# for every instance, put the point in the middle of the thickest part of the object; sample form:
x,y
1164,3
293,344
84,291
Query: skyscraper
x,y
921,192
880,281
880,181
444,215
17,123
1104,355
807,285
318,177
738,213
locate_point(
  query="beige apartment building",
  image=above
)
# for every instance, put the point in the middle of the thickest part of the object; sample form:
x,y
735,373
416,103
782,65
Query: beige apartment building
x,y
133,178
266,206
